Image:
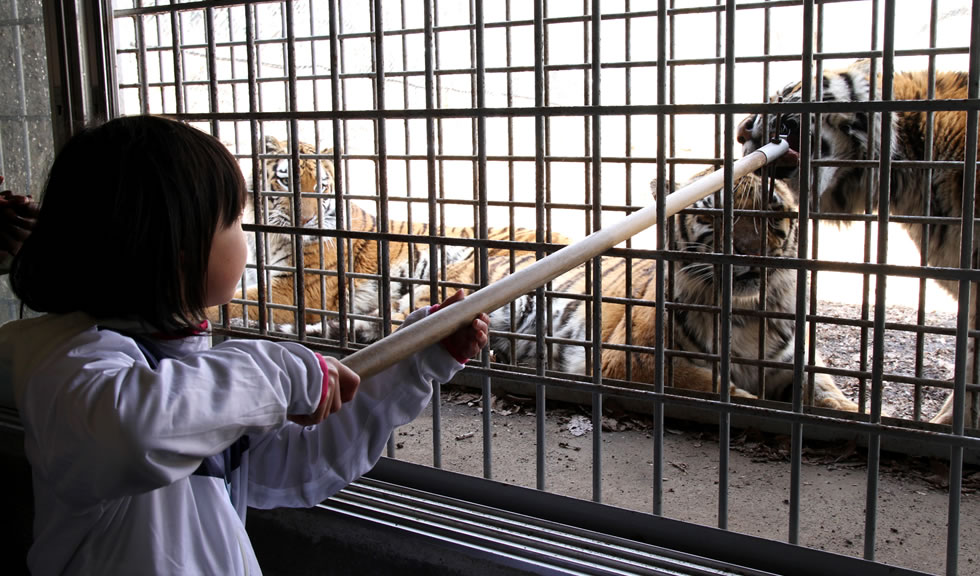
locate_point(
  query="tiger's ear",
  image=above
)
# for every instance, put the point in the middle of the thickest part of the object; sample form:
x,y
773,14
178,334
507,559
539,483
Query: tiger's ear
x,y
329,151
272,144
653,188
862,66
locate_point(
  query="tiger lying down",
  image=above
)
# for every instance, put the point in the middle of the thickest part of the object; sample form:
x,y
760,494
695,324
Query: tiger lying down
x,y
409,263
843,189
693,285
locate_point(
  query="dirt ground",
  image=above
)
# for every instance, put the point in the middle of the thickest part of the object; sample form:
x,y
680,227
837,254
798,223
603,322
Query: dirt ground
x,y
912,504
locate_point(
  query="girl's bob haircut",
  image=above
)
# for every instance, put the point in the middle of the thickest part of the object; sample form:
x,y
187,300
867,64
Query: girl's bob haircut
x,y
126,222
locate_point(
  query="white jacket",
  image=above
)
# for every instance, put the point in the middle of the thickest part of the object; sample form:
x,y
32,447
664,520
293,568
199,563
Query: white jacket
x,y
116,446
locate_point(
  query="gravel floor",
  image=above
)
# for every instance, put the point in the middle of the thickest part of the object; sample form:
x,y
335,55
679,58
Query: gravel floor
x,y
840,347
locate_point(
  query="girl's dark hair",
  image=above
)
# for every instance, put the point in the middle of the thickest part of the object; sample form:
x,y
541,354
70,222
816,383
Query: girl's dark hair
x,y
126,222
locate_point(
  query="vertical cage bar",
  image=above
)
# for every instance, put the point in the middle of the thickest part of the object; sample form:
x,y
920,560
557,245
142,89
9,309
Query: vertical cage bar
x,y
297,194
878,346
508,39
251,55
628,185
796,429
920,318
767,184
545,224
141,63
336,95
588,217
430,162
440,151
815,232
322,279
671,175
408,148
481,129
725,319
233,70
659,360
160,62
349,286
868,209
540,137
596,125
382,151
213,70
960,399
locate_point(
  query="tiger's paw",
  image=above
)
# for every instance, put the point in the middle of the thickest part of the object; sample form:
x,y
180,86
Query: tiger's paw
x,y
736,392
842,404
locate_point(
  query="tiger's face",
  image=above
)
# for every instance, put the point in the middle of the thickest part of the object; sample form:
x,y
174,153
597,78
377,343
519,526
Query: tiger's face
x,y
316,176
843,136
764,225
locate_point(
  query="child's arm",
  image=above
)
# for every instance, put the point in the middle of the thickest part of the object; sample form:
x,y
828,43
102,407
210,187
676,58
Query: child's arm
x,y
301,467
107,425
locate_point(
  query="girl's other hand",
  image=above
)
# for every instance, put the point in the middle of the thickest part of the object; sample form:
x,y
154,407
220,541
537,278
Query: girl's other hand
x,y
466,342
17,217
340,386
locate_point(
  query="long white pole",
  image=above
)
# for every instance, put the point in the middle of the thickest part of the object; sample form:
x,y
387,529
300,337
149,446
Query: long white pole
x,y
403,343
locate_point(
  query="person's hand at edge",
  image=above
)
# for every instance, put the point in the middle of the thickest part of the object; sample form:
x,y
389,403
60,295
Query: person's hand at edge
x,y
17,217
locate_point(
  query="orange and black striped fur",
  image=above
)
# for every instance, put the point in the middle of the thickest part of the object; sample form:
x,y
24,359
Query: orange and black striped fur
x,y
408,262
856,136
761,219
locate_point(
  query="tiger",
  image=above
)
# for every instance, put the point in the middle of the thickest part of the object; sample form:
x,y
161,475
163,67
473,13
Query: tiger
x,y
315,177
409,262
848,136
694,290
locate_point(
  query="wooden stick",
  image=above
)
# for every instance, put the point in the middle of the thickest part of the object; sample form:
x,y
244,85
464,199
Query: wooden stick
x,y
403,343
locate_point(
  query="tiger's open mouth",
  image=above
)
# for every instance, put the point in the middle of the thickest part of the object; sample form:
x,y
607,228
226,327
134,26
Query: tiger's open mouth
x,y
745,281
749,135
742,275
786,165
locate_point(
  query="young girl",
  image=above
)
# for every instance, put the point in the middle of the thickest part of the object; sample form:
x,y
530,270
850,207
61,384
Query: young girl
x,y
146,445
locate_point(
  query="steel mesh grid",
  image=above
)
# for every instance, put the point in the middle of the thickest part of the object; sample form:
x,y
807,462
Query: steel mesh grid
x,y
453,106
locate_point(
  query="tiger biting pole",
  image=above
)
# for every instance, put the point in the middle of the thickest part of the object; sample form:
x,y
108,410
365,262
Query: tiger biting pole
x,y
403,343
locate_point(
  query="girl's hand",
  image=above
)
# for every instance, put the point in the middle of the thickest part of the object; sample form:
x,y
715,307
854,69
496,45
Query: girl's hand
x,y
340,385
17,217
466,342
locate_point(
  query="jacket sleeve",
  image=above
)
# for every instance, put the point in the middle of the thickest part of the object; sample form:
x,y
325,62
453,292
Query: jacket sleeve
x,y
111,426
302,466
